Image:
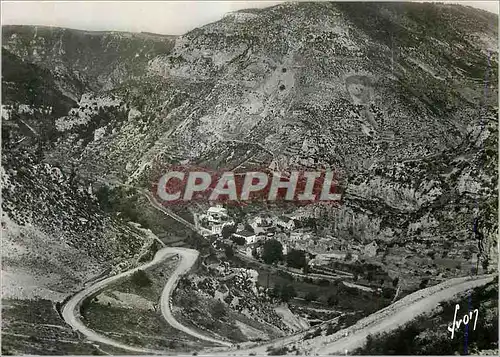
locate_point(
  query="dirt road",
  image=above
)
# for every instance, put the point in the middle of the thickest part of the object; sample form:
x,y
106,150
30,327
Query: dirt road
x,y
393,316
189,257
384,320
341,342
71,310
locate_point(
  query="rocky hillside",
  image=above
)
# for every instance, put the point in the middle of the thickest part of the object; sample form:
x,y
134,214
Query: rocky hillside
x,y
392,96
83,60
325,89
57,231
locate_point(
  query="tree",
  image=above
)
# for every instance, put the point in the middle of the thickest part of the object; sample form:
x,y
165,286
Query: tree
x,y
296,259
324,282
272,251
228,230
141,279
239,240
395,282
275,291
348,256
310,296
288,292
229,252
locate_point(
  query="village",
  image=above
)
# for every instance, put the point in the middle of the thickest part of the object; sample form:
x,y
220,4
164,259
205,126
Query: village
x,y
294,232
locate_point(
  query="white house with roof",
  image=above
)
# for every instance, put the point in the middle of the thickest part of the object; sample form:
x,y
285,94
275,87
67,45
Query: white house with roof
x,y
217,214
250,247
217,229
285,222
250,237
300,235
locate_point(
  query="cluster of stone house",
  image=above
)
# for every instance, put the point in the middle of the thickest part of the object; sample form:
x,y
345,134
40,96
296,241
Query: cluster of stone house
x,y
214,220
288,230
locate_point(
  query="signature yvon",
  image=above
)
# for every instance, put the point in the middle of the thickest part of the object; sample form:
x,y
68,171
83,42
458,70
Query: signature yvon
x,y
465,320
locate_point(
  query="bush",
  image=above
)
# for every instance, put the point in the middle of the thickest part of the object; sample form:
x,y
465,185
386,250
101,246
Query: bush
x,y
229,252
228,230
305,269
485,263
423,283
332,300
330,330
140,279
277,351
296,259
249,228
285,275
272,251
313,334
219,310
275,292
288,292
324,282
388,293
255,254
310,296
239,240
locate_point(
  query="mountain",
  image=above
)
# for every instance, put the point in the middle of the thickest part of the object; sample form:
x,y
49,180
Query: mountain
x,y
392,96
85,60
400,99
60,225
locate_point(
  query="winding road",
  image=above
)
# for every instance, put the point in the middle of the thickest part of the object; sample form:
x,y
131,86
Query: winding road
x,y
71,310
395,315
189,257
385,320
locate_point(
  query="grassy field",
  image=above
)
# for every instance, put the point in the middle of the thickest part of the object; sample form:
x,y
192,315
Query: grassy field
x,y
140,328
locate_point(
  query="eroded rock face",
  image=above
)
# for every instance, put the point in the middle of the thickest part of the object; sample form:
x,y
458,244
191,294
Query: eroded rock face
x,y
82,60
